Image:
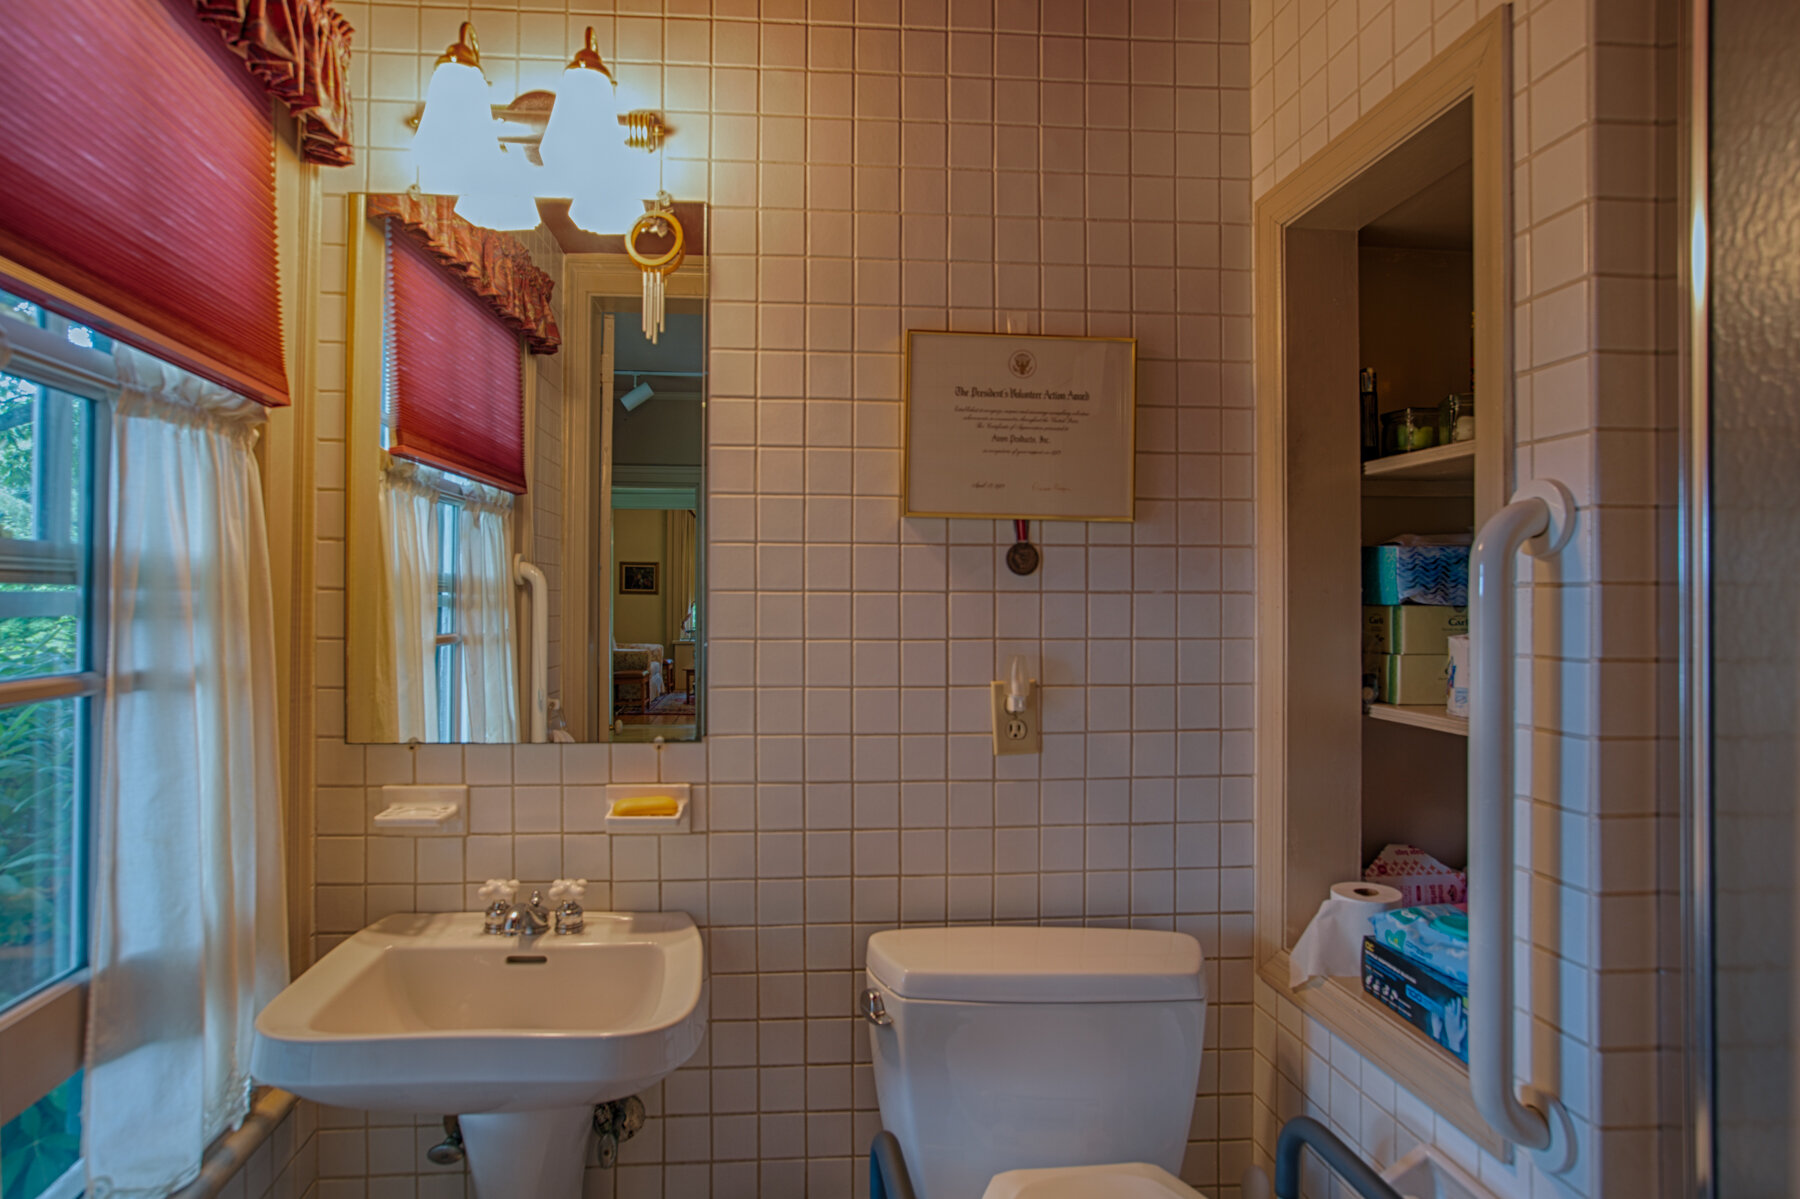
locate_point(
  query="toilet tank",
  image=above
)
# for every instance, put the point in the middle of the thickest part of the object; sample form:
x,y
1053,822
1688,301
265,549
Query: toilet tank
x,y
1017,1048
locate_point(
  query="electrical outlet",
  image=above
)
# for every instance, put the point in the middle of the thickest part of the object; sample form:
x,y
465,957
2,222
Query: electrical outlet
x,y
1017,732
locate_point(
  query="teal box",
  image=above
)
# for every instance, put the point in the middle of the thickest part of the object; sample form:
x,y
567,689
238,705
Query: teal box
x,y
1419,995
1416,574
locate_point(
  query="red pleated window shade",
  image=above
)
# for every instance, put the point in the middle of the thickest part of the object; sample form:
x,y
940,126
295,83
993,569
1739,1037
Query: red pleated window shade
x,y
137,187
458,391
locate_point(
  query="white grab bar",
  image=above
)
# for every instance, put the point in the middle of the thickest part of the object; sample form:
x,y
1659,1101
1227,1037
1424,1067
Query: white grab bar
x,y
527,575
1538,520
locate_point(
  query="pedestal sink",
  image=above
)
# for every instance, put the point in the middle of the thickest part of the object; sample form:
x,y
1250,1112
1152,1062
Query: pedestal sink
x,y
519,1037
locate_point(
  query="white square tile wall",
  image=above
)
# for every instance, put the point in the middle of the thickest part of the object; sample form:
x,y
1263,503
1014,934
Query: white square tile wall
x,y
1043,165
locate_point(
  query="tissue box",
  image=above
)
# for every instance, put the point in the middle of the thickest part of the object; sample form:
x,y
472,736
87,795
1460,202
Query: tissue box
x,y
1419,995
1407,678
1416,574
1411,628
1458,704
1419,877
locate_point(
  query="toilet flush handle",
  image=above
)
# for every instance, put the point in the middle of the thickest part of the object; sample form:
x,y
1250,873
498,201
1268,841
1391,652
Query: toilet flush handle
x,y
873,1010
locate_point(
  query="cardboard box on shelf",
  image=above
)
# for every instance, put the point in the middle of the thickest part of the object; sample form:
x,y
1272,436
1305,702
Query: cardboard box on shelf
x,y
1418,573
1411,628
1409,679
1458,704
1416,993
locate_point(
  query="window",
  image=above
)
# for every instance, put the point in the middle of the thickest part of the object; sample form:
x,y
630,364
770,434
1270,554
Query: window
x,y
52,513
453,716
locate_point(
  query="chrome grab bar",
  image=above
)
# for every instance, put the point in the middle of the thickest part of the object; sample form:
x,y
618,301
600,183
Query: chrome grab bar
x,y
1539,520
527,575
1303,1132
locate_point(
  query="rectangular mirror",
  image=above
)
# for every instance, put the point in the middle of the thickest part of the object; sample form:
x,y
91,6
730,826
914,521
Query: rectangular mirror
x,y
560,601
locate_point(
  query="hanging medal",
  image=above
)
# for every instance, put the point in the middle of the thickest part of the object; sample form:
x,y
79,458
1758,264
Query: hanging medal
x,y
1023,557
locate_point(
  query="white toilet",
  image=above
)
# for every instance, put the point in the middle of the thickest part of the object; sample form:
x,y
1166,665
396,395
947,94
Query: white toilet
x,y
1039,1051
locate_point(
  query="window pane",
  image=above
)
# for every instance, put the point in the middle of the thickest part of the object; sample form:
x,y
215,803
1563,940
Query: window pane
x,y
44,466
77,335
40,1145
41,909
40,630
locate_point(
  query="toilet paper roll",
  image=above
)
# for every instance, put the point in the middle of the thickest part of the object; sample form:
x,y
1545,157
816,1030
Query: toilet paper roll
x,y
1375,897
1332,943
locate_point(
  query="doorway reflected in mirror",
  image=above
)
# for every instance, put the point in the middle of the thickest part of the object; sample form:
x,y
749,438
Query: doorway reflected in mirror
x,y
657,444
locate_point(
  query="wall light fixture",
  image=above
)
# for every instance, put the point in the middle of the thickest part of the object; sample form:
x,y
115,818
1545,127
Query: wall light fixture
x,y
561,145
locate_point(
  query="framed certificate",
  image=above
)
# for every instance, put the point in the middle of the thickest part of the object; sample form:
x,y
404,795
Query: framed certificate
x,y
1003,425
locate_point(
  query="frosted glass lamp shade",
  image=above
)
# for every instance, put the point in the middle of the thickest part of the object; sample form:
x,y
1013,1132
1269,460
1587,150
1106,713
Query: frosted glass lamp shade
x,y
454,145
503,199
607,210
611,200
583,128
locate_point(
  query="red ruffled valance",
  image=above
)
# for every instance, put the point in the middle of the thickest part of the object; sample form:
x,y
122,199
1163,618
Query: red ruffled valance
x,y
300,51
495,266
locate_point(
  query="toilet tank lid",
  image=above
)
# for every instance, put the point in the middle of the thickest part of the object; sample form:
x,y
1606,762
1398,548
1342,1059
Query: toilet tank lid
x,y
1038,965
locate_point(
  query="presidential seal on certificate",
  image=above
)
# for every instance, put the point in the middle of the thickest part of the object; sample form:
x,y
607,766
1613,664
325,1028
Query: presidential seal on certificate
x,y
1020,426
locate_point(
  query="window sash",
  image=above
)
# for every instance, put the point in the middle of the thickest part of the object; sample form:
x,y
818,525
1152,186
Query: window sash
x,y
41,1040
452,718
43,1034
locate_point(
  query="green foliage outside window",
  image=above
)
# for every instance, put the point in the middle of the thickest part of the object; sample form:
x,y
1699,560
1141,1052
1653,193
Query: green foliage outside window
x,y
38,1146
37,844
38,742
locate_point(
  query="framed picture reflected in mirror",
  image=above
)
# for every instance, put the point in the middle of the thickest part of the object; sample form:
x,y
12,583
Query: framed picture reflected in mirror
x,y
637,578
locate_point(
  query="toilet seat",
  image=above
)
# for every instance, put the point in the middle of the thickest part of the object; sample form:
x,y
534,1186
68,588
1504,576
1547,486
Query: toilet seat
x,y
1128,1180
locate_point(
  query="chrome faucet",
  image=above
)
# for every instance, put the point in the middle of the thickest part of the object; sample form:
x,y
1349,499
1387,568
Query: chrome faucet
x,y
498,894
526,919
567,894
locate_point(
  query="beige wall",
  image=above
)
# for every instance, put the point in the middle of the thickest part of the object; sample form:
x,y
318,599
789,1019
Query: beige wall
x,y
639,536
1593,191
875,166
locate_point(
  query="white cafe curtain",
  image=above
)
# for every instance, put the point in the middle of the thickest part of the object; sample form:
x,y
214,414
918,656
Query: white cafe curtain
x,y
190,931
406,707
484,606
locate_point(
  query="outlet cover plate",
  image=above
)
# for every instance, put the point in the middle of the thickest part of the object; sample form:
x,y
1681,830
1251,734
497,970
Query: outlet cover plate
x,y
1017,732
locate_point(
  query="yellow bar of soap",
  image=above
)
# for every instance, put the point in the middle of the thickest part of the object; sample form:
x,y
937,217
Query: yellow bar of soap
x,y
646,805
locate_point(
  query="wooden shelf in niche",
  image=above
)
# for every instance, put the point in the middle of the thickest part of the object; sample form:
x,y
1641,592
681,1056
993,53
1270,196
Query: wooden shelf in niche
x,y
1455,461
1422,716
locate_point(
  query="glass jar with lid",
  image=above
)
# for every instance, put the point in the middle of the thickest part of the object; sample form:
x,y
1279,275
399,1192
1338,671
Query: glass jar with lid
x,y
1407,429
1456,418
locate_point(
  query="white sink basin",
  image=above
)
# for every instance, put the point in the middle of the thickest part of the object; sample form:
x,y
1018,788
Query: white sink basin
x,y
426,1013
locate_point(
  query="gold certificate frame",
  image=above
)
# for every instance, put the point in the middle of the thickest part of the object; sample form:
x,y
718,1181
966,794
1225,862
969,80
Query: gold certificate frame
x,y
1020,426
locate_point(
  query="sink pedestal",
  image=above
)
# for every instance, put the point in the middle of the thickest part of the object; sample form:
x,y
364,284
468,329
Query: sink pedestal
x,y
528,1155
